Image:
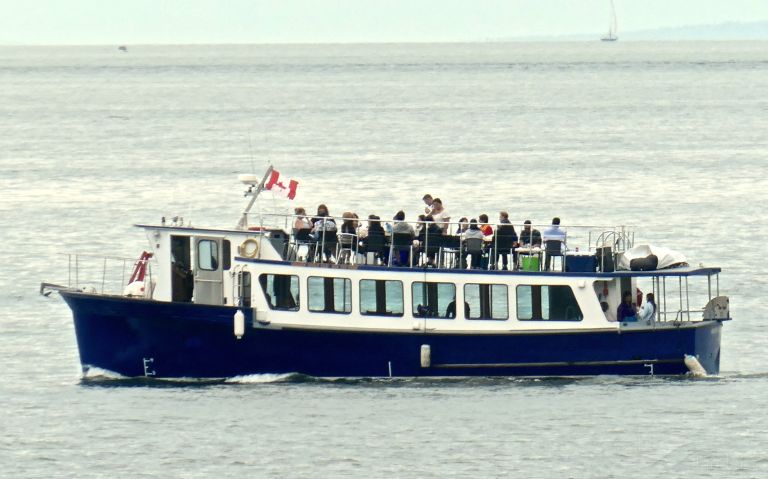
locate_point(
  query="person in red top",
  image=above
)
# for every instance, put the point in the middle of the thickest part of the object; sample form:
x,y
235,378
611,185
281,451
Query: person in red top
x,y
484,226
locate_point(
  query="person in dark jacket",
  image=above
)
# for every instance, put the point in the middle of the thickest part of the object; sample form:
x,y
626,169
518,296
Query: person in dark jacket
x,y
626,311
429,239
506,239
529,236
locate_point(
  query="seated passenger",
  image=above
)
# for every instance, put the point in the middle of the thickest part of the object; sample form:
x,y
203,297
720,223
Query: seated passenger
x,y
401,226
374,226
462,226
554,232
420,224
450,311
484,226
429,239
301,221
648,311
323,231
530,236
626,312
401,246
473,232
347,242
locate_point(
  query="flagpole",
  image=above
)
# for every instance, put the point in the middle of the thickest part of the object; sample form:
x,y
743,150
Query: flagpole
x,y
243,223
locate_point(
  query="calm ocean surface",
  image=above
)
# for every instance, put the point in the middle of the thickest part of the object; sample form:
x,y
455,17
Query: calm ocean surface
x,y
671,138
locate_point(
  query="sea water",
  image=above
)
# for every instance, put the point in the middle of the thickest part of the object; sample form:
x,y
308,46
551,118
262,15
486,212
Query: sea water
x,y
668,137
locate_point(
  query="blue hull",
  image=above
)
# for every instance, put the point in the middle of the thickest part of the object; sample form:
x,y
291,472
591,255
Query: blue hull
x,y
138,337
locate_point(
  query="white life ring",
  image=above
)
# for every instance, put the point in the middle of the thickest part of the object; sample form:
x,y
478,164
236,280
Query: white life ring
x,y
249,248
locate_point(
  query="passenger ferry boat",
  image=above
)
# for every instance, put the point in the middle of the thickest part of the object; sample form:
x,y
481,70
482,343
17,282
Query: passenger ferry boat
x,y
253,299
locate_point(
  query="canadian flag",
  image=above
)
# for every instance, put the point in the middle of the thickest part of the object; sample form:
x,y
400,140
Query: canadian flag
x,y
277,186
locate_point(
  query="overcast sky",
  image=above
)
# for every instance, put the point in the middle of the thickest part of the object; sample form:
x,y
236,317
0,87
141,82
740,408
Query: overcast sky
x,y
300,21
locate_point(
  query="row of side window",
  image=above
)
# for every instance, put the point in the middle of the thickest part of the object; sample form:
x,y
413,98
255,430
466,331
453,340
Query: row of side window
x,y
430,299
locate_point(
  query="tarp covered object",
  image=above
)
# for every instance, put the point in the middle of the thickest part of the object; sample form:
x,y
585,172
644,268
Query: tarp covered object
x,y
667,257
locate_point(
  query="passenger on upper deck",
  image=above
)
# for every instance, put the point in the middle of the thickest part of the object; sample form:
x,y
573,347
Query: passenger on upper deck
x,y
430,231
400,225
529,236
648,311
551,237
506,238
301,222
440,215
322,221
323,231
349,226
484,226
420,225
427,201
462,226
374,226
554,233
626,311
475,233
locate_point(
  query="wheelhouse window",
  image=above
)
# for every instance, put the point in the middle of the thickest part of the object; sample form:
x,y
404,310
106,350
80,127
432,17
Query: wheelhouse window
x,y
547,303
208,255
226,248
486,301
381,297
329,295
244,282
281,291
434,300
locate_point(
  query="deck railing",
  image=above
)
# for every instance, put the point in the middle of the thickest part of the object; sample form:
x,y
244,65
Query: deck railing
x,y
104,274
579,238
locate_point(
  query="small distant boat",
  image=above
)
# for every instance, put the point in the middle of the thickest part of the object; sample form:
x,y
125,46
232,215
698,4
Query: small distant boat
x,y
613,26
122,48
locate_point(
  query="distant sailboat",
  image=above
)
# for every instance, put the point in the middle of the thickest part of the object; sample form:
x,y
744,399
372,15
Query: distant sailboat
x,y
613,27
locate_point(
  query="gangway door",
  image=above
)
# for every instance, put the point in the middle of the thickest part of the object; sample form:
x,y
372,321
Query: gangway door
x,y
209,273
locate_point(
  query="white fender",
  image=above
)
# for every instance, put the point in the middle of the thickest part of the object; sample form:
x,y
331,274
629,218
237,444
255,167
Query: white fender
x,y
239,324
426,356
694,366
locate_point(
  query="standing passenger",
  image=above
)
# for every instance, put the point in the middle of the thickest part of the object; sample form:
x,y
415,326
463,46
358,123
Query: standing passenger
x,y
440,215
648,311
626,311
428,201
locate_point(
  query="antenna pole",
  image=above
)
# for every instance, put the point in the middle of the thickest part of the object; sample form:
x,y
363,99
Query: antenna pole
x,y
243,223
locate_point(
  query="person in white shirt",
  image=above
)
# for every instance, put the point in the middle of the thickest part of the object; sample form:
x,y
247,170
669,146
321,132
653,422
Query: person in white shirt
x,y
553,233
648,311
427,201
441,217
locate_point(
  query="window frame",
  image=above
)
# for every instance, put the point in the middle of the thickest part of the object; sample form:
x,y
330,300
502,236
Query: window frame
x,y
491,286
360,298
264,291
540,294
212,259
323,311
415,313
